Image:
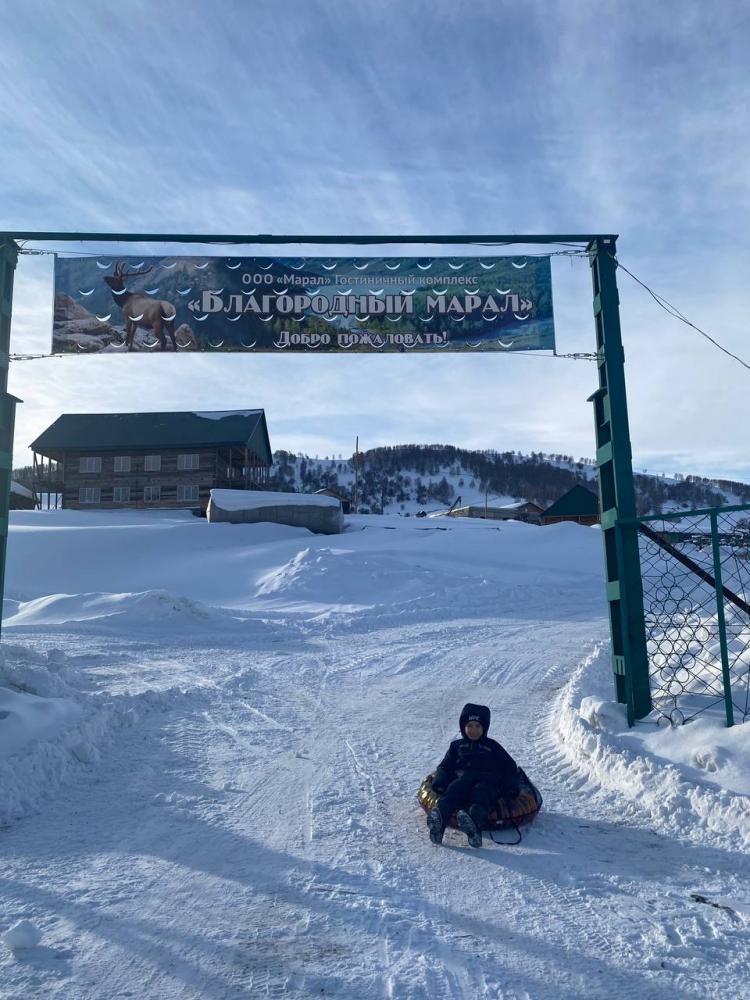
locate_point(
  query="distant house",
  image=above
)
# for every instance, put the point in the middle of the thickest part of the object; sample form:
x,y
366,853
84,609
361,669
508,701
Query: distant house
x,y
522,510
579,504
21,498
111,460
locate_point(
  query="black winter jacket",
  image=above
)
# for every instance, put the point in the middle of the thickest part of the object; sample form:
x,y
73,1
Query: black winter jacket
x,y
484,757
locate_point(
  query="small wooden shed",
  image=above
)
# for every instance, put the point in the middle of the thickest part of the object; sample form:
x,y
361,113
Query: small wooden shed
x,y
579,504
21,498
343,500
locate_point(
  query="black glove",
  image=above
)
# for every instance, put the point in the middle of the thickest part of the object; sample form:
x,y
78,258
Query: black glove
x,y
438,786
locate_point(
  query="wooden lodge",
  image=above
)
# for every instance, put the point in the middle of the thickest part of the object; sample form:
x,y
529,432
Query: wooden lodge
x,y
138,460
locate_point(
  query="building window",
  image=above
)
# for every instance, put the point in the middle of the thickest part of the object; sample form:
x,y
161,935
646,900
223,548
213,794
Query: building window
x,y
89,494
188,463
187,492
151,494
122,463
90,464
152,463
121,494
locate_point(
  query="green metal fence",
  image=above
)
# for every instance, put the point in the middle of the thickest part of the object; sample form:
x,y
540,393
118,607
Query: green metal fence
x,y
695,569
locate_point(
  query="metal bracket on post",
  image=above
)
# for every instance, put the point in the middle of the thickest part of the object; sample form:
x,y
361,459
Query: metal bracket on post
x,y
617,491
8,260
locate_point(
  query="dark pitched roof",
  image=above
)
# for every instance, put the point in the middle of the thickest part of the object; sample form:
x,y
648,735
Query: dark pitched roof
x,y
577,502
119,431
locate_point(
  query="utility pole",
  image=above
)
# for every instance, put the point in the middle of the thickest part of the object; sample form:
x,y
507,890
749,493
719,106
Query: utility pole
x,y
8,260
356,481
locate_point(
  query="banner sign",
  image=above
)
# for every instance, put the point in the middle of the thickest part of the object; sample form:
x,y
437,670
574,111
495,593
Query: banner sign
x,y
283,304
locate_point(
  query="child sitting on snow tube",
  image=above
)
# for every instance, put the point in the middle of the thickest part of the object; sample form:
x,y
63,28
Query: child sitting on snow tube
x,y
473,777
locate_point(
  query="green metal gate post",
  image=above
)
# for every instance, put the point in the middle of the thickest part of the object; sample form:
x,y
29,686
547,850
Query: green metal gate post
x,y
617,490
8,260
725,676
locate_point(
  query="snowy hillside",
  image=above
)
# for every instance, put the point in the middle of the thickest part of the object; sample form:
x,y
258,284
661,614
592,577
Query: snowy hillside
x,y
211,737
403,479
409,490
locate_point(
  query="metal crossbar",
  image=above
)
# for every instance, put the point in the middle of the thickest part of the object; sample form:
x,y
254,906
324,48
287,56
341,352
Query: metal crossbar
x,y
250,238
662,540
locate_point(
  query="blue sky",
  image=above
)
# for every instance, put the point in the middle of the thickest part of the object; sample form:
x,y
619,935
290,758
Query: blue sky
x,y
400,117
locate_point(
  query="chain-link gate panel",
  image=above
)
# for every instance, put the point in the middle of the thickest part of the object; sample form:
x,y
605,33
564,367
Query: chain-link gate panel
x,y
696,599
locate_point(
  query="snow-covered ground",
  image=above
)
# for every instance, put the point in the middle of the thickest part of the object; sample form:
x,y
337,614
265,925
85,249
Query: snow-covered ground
x,y
211,738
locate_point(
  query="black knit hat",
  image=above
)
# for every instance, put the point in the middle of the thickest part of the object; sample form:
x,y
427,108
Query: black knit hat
x,y
476,713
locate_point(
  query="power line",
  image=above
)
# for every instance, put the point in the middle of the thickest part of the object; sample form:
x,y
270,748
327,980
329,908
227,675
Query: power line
x,y
36,357
676,314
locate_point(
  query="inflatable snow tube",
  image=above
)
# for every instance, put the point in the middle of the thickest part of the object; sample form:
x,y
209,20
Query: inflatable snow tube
x,y
513,812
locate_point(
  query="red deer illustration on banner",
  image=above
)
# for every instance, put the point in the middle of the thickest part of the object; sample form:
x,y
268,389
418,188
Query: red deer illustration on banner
x,y
141,310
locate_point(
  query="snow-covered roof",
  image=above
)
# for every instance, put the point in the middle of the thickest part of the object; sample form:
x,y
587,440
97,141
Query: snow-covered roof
x,y
221,414
251,499
515,506
20,490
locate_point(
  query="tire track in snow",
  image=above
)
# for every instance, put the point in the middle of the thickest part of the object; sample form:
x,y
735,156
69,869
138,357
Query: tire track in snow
x,y
560,899
580,915
264,891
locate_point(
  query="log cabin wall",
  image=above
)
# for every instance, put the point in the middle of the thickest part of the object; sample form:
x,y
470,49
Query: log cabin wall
x,y
218,468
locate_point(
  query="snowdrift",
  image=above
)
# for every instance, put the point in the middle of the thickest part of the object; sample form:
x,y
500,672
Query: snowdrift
x,y
692,780
51,726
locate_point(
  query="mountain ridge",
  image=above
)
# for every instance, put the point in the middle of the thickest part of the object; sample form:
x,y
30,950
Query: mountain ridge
x,y
399,478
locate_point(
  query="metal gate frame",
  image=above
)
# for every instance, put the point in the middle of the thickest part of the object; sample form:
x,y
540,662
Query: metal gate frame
x,y
613,450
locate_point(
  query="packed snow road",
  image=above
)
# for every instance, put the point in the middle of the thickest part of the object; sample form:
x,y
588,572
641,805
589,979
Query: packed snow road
x,y
247,826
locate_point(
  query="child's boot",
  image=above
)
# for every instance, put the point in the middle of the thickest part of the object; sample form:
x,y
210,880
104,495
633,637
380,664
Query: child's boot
x,y
436,825
470,828
479,814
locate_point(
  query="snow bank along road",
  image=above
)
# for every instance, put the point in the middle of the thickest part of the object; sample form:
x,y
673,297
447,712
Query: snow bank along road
x,y
220,801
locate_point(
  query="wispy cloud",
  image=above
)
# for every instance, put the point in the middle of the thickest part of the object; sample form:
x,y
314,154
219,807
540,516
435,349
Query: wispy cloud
x,y
392,117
